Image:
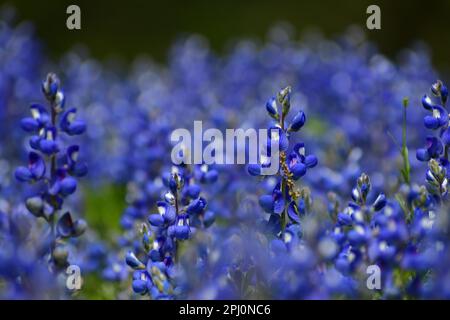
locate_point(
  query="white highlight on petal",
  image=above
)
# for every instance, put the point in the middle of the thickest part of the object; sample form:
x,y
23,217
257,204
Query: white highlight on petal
x,y
358,215
301,151
71,117
287,237
436,113
392,226
383,246
74,156
388,211
169,197
175,170
35,113
426,223
359,230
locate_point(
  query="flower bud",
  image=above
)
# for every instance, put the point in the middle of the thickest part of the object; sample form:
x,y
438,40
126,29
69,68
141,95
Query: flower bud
x,y
35,205
271,107
60,256
284,98
298,122
50,86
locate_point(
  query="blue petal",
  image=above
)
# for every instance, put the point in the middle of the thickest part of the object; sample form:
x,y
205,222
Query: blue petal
x,y
283,142
443,115
139,286
133,261
80,169
209,218
40,114
179,232
434,147
298,170
379,202
156,220
68,186
427,102
72,154
48,146
193,191
211,176
169,212
196,206
344,219
444,93
76,128
431,122
126,222
274,223
34,142
132,212
55,188
266,202
299,149
446,137
298,121
311,161
254,169
355,238
71,126
36,165
271,106
277,246
155,255
29,124
278,206
23,174
65,225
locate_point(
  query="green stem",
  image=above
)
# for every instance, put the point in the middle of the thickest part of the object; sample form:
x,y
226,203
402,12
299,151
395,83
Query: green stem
x,y
283,183
406,171
178,243
176,203
53,217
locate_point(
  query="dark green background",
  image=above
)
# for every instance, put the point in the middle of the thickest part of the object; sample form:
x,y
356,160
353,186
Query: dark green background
x,y
126,28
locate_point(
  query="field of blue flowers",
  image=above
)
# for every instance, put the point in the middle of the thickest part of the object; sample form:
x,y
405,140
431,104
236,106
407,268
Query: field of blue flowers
x,y
86,177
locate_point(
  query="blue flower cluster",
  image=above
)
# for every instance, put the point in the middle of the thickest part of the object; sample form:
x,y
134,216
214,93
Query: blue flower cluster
x,y
52,168
23,272
20,60
436,150
388,234
271,240
285,204
182,211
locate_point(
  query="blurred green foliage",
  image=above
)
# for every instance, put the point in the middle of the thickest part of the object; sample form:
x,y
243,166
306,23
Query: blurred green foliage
x,y
127,28
95,288
104,206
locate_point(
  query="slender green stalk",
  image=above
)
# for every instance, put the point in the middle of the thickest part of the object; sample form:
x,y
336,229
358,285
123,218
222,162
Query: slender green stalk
x,y
283,180
406,170
53,217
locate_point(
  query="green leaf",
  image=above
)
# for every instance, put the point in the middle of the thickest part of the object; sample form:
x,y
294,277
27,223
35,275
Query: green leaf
x,y
104,207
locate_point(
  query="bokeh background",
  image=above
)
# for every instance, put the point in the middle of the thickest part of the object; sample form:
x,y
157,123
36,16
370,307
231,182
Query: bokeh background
x,y
120,31
123,29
